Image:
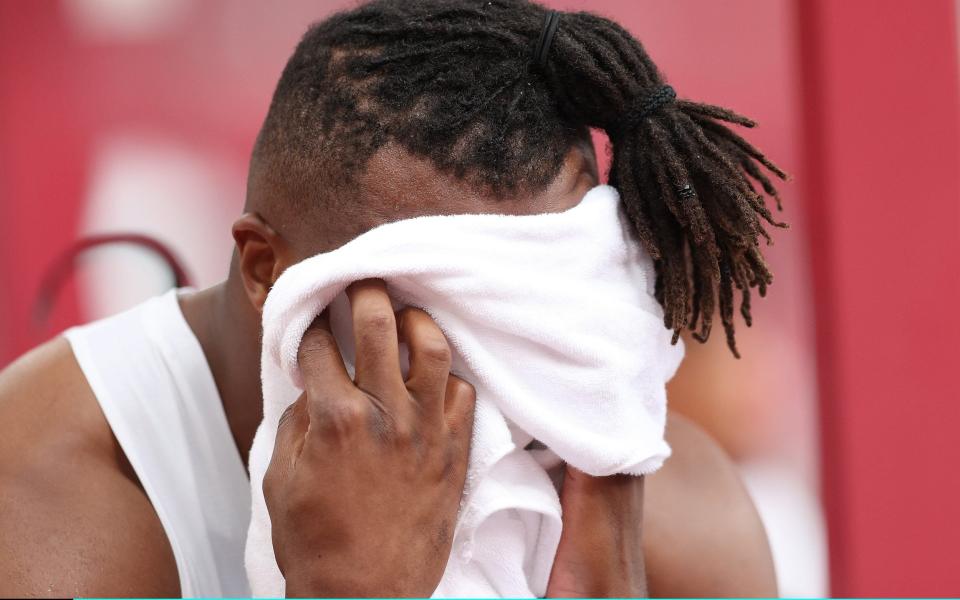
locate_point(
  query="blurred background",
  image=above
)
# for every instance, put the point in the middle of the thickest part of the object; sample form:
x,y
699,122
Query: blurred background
x,y
139,116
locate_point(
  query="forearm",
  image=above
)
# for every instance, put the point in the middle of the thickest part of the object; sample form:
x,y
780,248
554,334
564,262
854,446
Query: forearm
x,y
601,551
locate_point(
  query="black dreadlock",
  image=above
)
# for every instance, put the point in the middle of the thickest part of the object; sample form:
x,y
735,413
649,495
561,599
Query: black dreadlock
x,y
455,81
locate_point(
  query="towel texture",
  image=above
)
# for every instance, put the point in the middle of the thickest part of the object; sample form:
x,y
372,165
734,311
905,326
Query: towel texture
x,y
551,317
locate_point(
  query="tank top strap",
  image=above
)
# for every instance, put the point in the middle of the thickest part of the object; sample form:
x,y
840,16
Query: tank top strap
x,y
155,388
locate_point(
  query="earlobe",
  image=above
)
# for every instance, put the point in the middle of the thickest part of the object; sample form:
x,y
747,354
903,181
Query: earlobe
x,y
260,252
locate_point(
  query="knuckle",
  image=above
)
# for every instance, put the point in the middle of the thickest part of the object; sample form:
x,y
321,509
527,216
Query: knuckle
x,y
463,389
376,321
342,420
434,347
317,344
404,435
399,429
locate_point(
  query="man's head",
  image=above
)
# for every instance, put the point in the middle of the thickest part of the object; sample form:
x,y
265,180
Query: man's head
x,y
401,108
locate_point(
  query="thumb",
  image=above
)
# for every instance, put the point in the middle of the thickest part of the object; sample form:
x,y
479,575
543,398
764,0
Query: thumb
x,y
291,433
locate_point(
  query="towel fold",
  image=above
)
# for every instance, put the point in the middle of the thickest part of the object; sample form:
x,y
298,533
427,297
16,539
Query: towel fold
x,y
553,320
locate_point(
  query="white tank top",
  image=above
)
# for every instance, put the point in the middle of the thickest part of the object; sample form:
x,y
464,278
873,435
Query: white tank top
x,y
152,381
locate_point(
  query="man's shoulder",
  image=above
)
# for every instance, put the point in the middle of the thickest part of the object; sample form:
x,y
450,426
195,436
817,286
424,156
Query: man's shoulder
x,y
71,510
46,402
702,533
696,454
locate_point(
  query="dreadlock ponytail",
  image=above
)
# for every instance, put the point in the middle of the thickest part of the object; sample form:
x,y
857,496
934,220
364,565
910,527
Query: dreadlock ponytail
x,y
687,182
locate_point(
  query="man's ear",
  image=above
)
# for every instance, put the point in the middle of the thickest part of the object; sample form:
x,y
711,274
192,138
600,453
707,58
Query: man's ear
x,y
262,256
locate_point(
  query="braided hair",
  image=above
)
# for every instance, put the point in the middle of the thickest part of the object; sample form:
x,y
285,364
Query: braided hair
x,y
467,85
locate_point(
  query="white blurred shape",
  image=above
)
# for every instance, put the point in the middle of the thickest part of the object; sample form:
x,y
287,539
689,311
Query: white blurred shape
x,y
123,20
790,511
183,198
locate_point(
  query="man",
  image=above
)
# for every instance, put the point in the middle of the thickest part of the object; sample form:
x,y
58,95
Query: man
x,y
122,449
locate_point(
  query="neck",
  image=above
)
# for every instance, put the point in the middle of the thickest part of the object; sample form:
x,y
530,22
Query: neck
x,y
225,323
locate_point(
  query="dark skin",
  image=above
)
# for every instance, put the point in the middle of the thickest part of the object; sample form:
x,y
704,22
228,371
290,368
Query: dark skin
x,y
75,521
374,458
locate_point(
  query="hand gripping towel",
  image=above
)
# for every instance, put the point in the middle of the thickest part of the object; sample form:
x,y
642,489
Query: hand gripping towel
x,y
551,317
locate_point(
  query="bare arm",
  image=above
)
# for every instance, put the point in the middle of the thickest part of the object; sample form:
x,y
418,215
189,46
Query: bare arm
x,y
601,547
693,533
73,519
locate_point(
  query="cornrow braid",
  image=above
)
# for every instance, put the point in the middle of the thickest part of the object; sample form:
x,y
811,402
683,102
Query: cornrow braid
x,y
457,82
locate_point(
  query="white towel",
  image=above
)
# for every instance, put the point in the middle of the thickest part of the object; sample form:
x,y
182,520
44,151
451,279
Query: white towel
x,y
551,317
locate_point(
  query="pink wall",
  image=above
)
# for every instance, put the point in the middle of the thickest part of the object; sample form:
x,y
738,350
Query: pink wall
x,y
883,193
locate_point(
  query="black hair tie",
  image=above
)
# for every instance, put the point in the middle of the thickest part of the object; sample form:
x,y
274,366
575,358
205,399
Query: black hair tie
x,y
550,23
649,105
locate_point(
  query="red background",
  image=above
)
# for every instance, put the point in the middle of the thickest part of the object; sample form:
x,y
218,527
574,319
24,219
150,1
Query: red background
x,y
881,146
859,100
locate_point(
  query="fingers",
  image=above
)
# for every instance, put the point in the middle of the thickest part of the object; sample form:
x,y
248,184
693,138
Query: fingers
x,y
332,397
429,360
440,393
375,337
458,411
322,368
